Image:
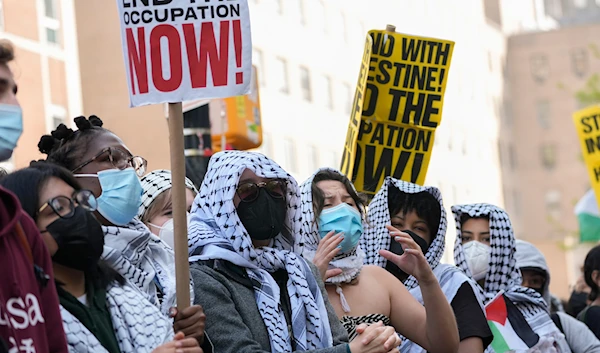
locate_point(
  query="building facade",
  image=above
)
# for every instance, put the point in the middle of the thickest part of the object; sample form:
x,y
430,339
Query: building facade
x,y
46,69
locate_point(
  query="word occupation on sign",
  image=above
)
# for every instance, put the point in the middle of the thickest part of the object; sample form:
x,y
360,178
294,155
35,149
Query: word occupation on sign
x,y
357,106
176,50
587,122
402,107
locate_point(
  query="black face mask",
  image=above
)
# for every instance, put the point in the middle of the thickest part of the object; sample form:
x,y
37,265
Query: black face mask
x,y
264,217
396,248
577,302
80,240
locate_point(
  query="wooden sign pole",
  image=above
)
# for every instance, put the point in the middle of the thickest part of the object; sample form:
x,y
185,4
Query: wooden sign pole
x,y
182,266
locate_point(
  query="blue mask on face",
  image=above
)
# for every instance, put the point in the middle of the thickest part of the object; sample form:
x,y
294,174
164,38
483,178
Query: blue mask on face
x,y
345,219
121,194
11,127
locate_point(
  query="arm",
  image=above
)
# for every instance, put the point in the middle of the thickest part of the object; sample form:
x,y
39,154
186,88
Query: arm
x,y
580,338
57,341
471,344
226,328
433,327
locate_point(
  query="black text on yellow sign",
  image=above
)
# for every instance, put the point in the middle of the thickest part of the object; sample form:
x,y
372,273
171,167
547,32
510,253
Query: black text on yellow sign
x,y
587,123
402,107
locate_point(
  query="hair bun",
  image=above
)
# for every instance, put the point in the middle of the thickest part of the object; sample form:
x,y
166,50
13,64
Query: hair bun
x,y
62,132
96,121
47,144
82,123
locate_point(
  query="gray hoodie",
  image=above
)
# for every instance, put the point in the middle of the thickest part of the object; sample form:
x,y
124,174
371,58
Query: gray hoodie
x,y
578,335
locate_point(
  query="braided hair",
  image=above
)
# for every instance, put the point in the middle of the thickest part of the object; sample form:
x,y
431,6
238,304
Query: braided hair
x,y
66,147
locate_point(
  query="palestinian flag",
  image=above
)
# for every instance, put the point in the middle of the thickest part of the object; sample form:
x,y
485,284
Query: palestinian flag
x,y
511,330
588,217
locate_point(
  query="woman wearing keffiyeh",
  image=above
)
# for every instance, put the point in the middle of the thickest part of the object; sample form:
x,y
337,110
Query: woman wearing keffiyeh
x,y
485,251
419,212
332,218
259,296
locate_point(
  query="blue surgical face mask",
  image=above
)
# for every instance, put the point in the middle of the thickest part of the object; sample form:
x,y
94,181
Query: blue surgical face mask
x,y
11,127
121,194
345,219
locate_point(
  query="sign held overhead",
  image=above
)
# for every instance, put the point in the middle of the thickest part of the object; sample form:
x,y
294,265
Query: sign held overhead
x,y
180,50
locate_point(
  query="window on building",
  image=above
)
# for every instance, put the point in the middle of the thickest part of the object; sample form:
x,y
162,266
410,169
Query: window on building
x,y
548,154
59,114
553,200
258,61
289,148
348,98
540,67
267,146
325,91
278,4
490,61
51,21
317,14
492,12
305,84
512,157
579,62
543,113
337,25
313,158
297,10
280,75
516,202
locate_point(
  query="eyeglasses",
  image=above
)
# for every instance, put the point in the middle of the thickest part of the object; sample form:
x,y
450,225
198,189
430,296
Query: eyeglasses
x,y
120,160
248,192
64,206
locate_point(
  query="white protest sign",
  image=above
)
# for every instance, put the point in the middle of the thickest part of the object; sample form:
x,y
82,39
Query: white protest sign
x,y
181,50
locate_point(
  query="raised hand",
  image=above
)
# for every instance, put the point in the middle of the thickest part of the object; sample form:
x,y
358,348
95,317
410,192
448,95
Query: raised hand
x,y
412,261
328,248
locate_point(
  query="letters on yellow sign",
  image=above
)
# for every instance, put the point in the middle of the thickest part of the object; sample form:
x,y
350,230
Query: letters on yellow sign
x,y
587,123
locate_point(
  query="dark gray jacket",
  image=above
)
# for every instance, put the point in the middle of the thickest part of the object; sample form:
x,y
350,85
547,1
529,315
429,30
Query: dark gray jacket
x,y
232,317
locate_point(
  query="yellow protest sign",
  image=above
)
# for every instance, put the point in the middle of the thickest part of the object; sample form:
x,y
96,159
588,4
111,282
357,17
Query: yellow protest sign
x,y
357,107
587,123
402,107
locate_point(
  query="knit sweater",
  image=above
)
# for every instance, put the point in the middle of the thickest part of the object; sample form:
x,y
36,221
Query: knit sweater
x,y
232,317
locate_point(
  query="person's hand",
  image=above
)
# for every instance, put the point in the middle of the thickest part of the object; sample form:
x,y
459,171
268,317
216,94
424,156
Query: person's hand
x,y
179,344
375,338
412,261
326,251
581,286
191,321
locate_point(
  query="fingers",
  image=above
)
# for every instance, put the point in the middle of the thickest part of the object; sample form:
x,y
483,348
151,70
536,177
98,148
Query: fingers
x,y
392,341
333,272
371,333
332,243
179,336
360,329
186,343
190,321
390,256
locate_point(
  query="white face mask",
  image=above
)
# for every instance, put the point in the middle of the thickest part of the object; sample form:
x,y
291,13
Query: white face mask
x,y
478,258
166,231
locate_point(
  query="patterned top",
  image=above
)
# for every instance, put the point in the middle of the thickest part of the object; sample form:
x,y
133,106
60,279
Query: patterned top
x,y
351,322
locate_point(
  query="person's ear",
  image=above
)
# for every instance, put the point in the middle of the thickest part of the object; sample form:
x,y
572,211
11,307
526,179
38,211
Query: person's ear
x,y
595,276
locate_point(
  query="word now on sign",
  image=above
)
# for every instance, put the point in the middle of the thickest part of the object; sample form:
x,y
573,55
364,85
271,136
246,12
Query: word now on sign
x,y
181,50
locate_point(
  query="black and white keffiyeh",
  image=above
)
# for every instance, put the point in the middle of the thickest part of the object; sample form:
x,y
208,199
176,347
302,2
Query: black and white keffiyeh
x,y
378,237
138,325
307,235
154,184
216,232
503,274
144,260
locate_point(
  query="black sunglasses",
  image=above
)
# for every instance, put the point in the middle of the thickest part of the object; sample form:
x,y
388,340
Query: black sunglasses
x,y
249,192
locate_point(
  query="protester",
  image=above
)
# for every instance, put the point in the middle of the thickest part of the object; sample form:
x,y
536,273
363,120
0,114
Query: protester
x,y
485,251
579,298
536,276
156,210
259,296
104,165
591,272
328,234
29,310
99,313
419,211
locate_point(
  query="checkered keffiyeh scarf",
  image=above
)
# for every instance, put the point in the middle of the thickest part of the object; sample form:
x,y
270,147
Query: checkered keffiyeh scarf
x,y
216,232
503,274
308,237
377,237
138,325
154,184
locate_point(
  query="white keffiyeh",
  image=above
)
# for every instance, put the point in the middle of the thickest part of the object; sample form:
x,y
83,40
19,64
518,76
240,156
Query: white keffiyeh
x,y
144,260
503,274
378,237
138,325
154,184
216,232
307,237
